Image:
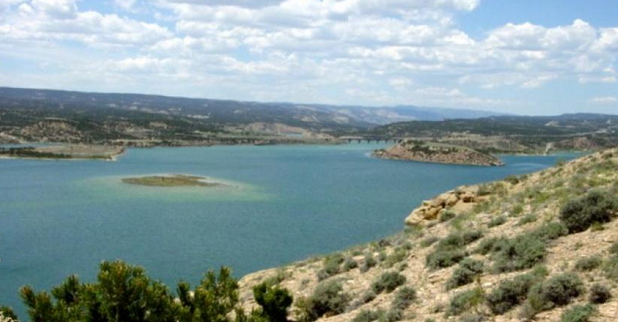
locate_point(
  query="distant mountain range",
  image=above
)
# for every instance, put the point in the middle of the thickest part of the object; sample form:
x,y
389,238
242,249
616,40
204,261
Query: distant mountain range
x,y
233,112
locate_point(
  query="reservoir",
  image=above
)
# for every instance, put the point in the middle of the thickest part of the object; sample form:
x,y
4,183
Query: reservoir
x,y
278,204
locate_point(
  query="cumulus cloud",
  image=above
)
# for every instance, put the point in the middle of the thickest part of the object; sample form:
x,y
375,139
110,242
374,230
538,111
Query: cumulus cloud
x,y
346,51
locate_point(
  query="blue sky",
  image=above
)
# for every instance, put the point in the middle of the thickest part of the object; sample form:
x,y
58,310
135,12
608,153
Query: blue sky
x,y
525,56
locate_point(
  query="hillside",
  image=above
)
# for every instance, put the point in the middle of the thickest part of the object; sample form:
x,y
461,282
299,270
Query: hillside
x,y
533,246
419,151
512,134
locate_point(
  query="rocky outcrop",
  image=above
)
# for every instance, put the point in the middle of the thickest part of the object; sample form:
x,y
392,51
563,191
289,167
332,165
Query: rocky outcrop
x,y
459,200
411,150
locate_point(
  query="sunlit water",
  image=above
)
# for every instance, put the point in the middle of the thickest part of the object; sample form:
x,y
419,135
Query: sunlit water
x,y
283,203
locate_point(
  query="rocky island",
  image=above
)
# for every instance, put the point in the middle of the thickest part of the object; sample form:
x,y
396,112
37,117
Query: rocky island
x,y
421,151
63,152
175,180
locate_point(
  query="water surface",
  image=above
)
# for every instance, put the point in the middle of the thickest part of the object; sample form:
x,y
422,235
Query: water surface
x,y
287,203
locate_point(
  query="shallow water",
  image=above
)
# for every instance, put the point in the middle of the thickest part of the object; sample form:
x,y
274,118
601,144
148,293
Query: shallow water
x,y
286,203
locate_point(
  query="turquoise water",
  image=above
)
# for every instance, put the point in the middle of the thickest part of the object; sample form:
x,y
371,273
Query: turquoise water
x,y
284,203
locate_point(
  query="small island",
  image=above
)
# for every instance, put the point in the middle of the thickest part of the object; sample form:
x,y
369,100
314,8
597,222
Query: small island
x,y
175,180
421,151
64,152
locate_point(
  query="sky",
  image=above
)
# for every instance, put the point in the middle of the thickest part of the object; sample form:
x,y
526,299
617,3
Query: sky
x,y
516,56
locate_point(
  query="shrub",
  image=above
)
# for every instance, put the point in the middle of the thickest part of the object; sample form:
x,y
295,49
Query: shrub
x,y
599,294
471,236
368,263
555,292
578,313
465,301
328,297
611,268
368,296
468,270
403,298
511,293
550,231
446,216
443,259
596,206
448,251
512,179
517,209
367,316
388,282
429,241
398,255
274,302
521,252
527,219
588,263
332,266
483,190
349,264
497,221
487,245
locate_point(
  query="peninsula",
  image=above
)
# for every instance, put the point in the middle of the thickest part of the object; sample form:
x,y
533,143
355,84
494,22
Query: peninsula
x,y
421,151
63,152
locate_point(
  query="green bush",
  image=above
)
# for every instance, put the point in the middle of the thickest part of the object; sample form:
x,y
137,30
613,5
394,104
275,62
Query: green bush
x,y
511,293
349,264
123,292
332,266
368,263
554,292
599,294
398,255
274,302
443,259
588,263
429,241
497,221
328,297
367,316
512,179
578,313
449,251
446,216
610,267
465,274
521,252
388,282
595,207
487,245
550,231
368,297
527,219
465,301
471,236
403,298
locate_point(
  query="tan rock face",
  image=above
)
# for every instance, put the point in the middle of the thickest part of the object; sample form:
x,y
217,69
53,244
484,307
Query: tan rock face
x,y
453,200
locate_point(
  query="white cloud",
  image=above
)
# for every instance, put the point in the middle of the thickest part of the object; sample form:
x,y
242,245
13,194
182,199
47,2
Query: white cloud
x,y
62,9
379,50
604,100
